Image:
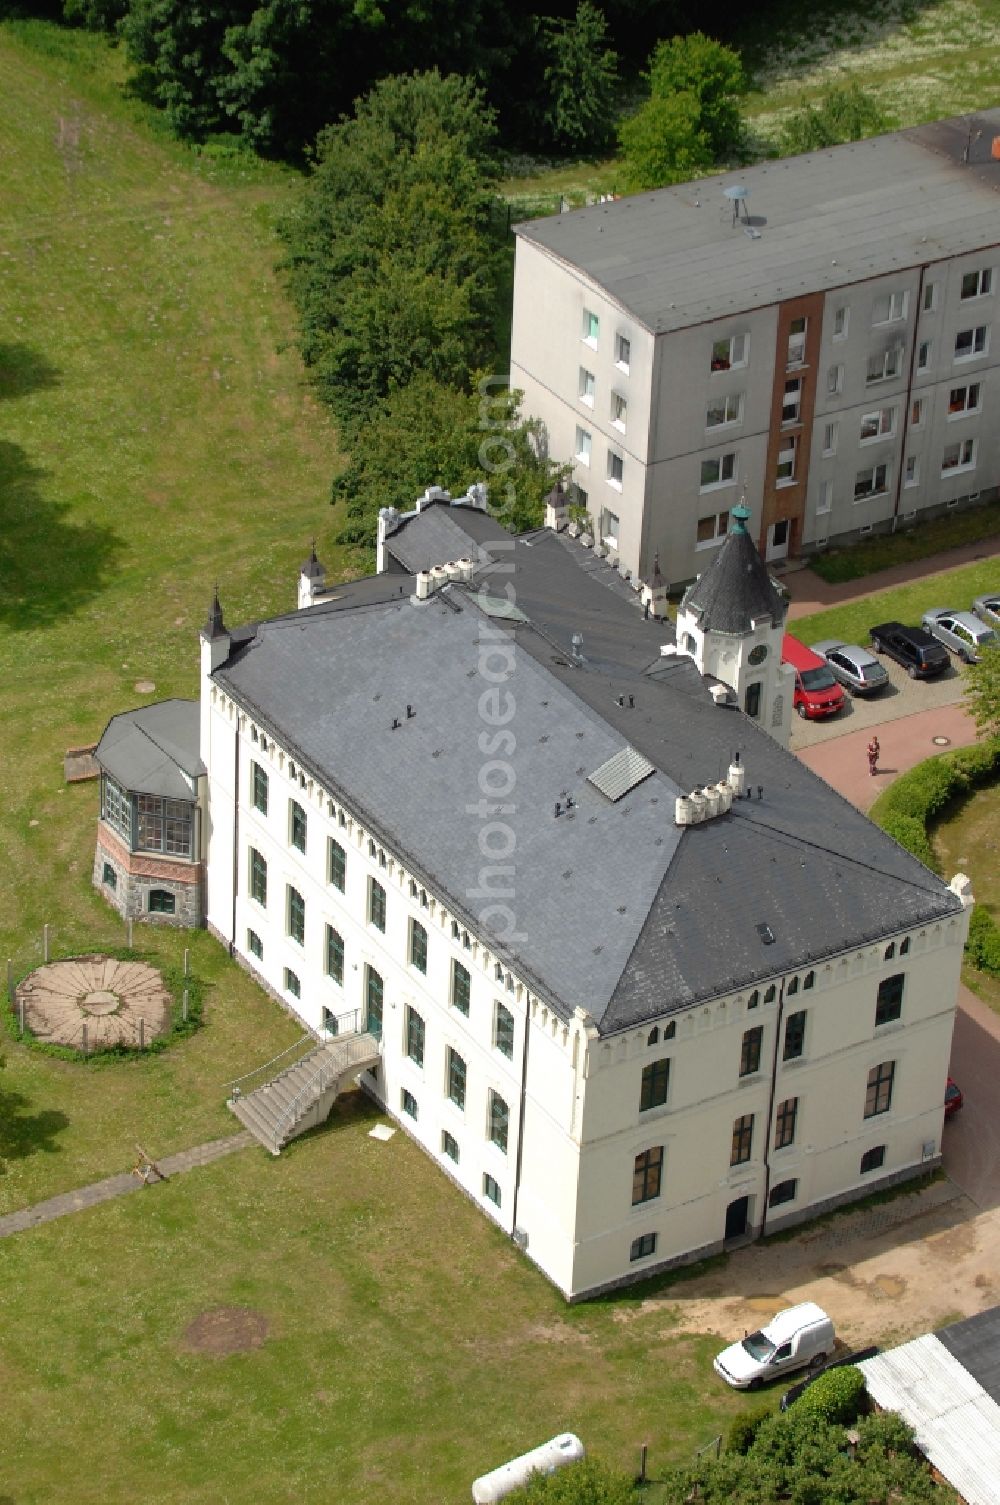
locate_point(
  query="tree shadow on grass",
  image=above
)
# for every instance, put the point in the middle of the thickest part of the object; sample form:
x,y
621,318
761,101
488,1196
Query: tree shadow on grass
x,y
23,1133
23,370
50,565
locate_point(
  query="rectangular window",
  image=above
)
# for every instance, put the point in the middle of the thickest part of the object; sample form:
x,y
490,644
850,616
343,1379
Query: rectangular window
x,y
824,501
889,1004
972,342
961,456
583,446
376,905
163,825
491,1189
655,1081
890,307
917,412
461,988
258,877
409,1104
877,424
587,386
503,1030
647,1175
610,525
784,1123
616,469
591,327
873,1159
117,809
977,284
642,1247
292,984
334,955
878,1094
924,352
795,1036
785,473
742,1146
797,342
295,919
841,319
296,825
751,700
750,1050
834,381
930,297
414,1035
962,400
259,788
719,471
871,482
418,946
730,353
623,352
455,1078
723,410
255,945
912,475
791,402
830,434
374,993
619,410
712,529
449,1145
784,1192
336,864
499,1121
883,365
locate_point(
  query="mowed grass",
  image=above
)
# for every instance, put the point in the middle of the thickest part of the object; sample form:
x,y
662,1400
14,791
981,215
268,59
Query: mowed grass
x,y
956,588
968,840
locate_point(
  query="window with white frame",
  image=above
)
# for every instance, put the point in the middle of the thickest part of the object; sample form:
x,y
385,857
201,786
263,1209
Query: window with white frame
x,y
911,475
890,307
824,501
610,525
841,319
883,365
977,284
925,350
623,352
957,457
930,297
917,412
797,342
970,343
619,410
878,424
834,381
720,471
586,386
831,432
729,353
591,328
785,473
616,469
584,443
873,481
712,529
722,410
791,402
962,400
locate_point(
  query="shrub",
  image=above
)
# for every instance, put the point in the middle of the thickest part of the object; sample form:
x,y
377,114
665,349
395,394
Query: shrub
x,y
836,1397
588,1482
983,945
744,1428
926,791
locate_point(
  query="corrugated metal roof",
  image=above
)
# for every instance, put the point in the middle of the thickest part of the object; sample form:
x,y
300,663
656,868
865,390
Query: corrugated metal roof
x,y
957,1425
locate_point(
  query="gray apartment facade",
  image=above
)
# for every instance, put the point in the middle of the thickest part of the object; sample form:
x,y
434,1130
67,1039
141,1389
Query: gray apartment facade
x,y
822,340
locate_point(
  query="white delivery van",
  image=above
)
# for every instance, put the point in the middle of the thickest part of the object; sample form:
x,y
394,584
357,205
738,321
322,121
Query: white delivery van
x,y
799,1336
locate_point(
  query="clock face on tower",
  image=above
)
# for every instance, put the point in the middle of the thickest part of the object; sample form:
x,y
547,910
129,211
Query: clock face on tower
x,y
757,655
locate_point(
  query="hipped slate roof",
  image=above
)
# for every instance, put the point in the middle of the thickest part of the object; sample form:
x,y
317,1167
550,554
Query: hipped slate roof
x,y
146,750
616,908
439,539
674,257
735,590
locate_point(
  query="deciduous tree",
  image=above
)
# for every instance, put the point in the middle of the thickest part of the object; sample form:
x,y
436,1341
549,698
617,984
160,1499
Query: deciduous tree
x,y
844,113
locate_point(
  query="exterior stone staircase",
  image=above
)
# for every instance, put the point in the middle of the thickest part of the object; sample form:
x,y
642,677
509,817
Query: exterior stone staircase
x,y
287,1099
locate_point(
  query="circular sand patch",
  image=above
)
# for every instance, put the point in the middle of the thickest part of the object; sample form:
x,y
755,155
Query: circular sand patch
x,y
95,1002
226,1329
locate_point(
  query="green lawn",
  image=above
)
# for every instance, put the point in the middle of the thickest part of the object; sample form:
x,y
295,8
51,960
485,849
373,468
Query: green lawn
x,y
903,603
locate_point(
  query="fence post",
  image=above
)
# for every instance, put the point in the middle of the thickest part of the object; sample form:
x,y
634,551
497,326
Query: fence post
x,y
128,931
187,964
642,1462
45,943
10,979
142,1033
20,1011
84,1041
184,1006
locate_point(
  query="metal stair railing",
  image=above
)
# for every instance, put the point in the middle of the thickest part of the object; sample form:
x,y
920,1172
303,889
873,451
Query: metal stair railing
x,y
314,1087
237,1088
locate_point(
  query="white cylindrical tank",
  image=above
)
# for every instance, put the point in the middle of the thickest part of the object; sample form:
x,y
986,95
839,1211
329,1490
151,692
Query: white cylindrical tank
x,y
423,585
453,569
439,576
699,810
552,1455
725,796
737,779
467,567
711,795
683,813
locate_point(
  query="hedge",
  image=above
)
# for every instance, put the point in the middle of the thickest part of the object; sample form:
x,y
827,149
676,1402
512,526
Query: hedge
x,y
744,1428
836,1397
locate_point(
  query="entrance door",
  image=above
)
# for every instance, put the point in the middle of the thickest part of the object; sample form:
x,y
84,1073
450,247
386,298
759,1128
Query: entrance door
x,y
736,1218
777,540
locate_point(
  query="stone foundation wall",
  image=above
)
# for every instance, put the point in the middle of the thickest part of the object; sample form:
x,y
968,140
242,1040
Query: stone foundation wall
x,y
129,892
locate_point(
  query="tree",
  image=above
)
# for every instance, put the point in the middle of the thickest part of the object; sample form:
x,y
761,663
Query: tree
x,y
692,114
845,113
982,692
836,1396
580,79
588,1482
664,143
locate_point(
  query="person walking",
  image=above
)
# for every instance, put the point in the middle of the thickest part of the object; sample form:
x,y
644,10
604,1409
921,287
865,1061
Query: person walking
x,y
873,752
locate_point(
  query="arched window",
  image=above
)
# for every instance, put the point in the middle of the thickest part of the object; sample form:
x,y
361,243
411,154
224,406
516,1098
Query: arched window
x,y
793,987
653,1036
161,901
890,951
904,945
109,877
771,994
809,980
669,1030
754,999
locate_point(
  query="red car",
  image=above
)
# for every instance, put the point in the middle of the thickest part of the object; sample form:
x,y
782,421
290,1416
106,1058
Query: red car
x,y
952,1098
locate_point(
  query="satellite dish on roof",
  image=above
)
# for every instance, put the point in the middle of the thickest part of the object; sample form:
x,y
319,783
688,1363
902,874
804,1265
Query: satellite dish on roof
x,y
736,194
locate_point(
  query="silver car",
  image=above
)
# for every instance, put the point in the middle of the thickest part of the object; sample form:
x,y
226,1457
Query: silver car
x,y
854,667
960,631
987,608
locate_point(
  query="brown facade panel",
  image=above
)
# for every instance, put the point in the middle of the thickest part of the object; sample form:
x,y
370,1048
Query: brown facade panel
x,y
796,360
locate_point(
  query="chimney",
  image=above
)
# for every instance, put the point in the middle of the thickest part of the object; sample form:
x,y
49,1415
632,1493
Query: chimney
x,y
737,776
312,580
556,508
388,522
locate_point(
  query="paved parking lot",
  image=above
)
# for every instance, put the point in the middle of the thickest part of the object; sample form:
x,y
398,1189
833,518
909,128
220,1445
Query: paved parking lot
x,y
901,697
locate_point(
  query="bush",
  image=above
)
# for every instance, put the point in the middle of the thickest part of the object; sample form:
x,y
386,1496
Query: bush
x,y
836,1397
589,1482
983,945
927,790
743,1429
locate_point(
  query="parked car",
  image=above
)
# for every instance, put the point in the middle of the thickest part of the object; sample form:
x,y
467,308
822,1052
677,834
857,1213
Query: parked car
x,y
987,608
817,693
953,1098
960,631
801,1386
796,1337
854,667
920,654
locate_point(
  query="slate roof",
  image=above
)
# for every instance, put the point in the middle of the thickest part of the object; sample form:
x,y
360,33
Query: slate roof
x,y
145,750
617,909
824,220
439,538
975,1342
735,589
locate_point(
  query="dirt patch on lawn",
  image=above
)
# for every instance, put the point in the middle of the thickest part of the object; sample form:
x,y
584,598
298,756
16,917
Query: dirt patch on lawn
x,y
224,1330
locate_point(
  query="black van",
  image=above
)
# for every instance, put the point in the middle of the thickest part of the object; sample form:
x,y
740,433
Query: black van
x,y
920,654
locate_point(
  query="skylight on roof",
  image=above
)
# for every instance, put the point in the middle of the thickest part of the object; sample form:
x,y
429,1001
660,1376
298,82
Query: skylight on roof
x,y
497,606
620,773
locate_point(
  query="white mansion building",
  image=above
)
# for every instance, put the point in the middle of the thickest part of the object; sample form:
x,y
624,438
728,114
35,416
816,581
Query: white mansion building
x,y
642,984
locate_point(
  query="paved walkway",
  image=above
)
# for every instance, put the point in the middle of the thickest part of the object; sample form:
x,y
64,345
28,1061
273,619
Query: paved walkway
x,y
117,1186
808,593
843,761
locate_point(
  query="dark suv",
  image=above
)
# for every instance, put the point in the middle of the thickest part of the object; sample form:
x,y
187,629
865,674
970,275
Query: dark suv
x,y
920,654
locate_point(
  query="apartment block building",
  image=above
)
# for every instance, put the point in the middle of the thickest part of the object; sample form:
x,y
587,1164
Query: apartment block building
x,y
816,331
